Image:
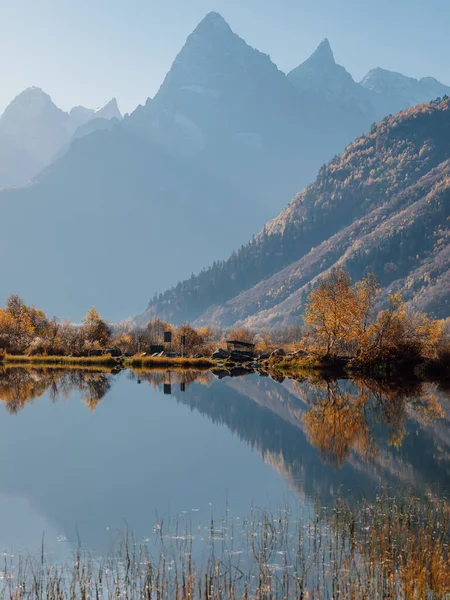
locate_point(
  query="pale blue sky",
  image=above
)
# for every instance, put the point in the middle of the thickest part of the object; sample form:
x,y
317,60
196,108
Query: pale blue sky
x,y
87,51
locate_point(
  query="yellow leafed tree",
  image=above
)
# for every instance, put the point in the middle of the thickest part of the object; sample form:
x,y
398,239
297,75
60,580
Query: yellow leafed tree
x,y
335,311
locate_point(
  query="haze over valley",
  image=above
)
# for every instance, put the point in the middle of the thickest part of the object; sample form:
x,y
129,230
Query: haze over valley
x,y
124,209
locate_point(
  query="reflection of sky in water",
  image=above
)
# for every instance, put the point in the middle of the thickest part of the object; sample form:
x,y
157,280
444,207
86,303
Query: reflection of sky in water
x,y
138,458
24,527
219,448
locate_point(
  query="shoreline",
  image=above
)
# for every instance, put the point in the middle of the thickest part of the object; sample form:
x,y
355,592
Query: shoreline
x,y
279,367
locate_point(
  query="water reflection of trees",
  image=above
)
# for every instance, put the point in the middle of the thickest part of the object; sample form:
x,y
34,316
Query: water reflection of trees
x,y
20,386
341,416
337,422
340,420
346,420
322,433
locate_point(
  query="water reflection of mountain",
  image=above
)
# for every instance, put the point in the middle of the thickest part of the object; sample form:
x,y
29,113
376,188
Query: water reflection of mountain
x,y
321,435
136,458
329,435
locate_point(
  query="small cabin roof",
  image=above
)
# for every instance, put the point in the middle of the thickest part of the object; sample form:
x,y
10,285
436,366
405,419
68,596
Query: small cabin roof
x,y
238,342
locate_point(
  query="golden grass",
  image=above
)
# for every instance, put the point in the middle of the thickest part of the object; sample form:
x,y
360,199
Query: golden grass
x,y
106,359
164,361
55,367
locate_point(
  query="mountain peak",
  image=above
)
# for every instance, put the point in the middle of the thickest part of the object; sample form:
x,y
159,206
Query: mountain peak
x,y
109,111
321,74
33,90
405,91
315,71
214,63
213,21
32,93
323,53
30,103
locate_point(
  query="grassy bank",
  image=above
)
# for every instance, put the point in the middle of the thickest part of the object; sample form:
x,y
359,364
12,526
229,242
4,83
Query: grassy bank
x,y
392,549
421,369
105,360
164,361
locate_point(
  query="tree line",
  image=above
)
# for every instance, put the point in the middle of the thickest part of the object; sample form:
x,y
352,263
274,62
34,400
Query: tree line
x,y
342,320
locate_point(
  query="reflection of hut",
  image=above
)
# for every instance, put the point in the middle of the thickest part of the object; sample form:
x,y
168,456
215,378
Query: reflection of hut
x,y
240,347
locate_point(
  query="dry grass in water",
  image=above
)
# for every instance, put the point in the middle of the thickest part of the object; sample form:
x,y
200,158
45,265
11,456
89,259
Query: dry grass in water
x,y
390,549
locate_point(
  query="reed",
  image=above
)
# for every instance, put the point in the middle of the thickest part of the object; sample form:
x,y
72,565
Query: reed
x,y
391,549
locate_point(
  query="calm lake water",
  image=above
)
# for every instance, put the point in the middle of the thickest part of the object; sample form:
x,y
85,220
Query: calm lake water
x,y
88,453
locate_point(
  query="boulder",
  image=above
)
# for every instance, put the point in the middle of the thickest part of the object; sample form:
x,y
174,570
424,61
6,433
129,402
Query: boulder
x,y
239,371
241,357
198,355
221,353
221,373
278,353
263,356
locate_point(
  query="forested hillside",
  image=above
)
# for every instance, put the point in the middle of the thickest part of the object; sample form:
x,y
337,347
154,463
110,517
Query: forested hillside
x,y
382,205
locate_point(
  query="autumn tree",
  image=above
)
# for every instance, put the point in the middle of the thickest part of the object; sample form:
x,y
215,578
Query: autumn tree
x,y
333,312
16,328
242,335
155,329
366,292
193,339
96,330
400,333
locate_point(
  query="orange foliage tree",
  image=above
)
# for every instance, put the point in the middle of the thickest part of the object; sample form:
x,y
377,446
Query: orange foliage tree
x,y
339,312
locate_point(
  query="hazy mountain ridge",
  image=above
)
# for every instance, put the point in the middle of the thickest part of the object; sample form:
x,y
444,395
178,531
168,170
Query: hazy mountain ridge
x,y
382,205
321,73
33,130
399,91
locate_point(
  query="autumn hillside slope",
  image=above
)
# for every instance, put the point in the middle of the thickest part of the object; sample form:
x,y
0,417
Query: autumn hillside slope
x,y
382,205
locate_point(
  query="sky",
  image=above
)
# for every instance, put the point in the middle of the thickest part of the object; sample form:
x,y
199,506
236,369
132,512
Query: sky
x,y
88,51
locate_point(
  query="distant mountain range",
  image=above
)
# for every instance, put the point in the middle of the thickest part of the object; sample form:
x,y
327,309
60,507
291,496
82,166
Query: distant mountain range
x,y
381,206
130,207
33,130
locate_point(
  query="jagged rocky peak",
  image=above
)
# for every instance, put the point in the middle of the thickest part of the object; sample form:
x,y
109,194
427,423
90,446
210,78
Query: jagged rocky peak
x,y
377,79
31,101
213,22
80,115
212,58
109,111
211,35
323,55
321,74
406,91
34,109
32,93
